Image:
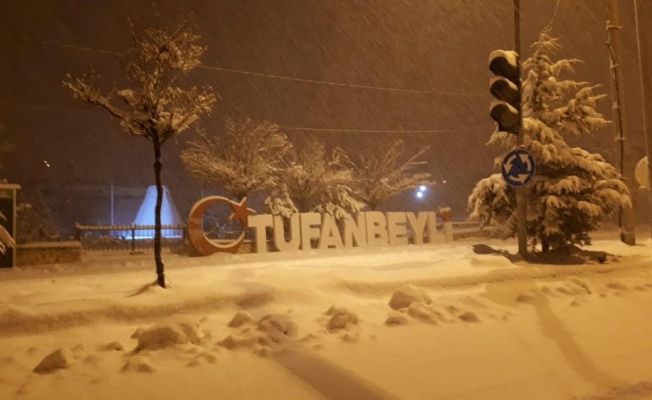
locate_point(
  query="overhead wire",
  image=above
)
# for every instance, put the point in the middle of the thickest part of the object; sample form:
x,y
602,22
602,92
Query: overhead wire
x,y
554,14
306,81
335,130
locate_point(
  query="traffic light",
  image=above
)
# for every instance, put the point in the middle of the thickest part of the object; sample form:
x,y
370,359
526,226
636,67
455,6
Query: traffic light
x,y
505,88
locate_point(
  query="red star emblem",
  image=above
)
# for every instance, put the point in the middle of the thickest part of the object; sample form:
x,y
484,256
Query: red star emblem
x,y
240,212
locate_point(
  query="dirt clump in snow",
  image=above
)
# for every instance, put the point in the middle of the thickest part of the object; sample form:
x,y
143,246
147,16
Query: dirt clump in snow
x,y
406,295
240,318
175,332
58,359
138,364
340,318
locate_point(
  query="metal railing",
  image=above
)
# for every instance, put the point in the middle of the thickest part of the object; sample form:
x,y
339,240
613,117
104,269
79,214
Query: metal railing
x,y
128,237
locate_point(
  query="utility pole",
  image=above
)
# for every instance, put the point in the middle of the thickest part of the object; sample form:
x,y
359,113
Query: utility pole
x,y
625,215
112,194
521,198
643,13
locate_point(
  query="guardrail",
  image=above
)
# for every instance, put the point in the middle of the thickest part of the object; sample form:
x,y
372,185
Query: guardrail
x,y
127,237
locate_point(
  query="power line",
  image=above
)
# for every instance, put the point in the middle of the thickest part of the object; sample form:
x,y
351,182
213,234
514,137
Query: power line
x,y
303,80
311,129
554,14
339,84
302,128
276,76
74,46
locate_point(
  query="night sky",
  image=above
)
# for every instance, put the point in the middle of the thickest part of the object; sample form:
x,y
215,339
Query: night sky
x,y
436,48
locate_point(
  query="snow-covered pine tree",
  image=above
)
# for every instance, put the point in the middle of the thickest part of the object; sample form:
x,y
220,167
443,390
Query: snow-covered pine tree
x,y
154,106
383,171
573,190
244,159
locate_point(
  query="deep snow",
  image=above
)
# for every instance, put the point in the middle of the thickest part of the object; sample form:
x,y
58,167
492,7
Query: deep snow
x,y
427,322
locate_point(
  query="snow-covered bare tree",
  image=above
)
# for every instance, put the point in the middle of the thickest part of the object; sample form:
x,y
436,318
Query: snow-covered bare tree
x,y
383,171
244,159
153,105
313,179
573,190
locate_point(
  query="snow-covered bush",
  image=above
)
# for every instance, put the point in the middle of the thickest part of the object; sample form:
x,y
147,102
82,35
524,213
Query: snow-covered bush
x,y
280,203
573,190
339,202
242,160
314,180
382,171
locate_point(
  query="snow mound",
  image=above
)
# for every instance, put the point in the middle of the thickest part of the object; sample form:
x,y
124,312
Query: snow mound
x,y
615,285
160,336
582,284
525,298
92,359
396,319
407,295
271,330
469,316
239,319
113,346
138,364
340,318
202,358
245,339
58,359
278,327
424,312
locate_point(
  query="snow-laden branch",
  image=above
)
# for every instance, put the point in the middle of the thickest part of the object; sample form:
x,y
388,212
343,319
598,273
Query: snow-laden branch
x,y
383,171
245,158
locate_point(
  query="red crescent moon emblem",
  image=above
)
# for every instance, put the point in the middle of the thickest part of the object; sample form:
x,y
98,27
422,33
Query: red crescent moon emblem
x,y
202,244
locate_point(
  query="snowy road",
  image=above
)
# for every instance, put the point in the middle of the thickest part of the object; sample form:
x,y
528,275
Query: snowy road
x,y
471,326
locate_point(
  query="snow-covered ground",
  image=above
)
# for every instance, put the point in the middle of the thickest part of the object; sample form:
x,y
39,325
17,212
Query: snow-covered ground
x,y
428,322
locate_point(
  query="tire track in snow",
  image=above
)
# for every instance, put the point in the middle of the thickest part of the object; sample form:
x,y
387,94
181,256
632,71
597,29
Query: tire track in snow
x,y
14,321
525,272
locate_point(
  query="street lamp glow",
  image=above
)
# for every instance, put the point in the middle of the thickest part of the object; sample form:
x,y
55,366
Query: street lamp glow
x,y
422,188
419,195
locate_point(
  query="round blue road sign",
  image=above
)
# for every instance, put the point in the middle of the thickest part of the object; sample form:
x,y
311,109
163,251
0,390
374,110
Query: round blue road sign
x,y
517,167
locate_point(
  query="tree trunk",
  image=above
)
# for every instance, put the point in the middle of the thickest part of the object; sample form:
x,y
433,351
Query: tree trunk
x,y
160,268
545,246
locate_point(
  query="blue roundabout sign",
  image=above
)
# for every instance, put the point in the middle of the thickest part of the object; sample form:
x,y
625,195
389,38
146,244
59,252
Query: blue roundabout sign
x,y
518,167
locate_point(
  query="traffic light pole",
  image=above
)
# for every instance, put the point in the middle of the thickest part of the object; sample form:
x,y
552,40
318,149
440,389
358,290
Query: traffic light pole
x,y
521,192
